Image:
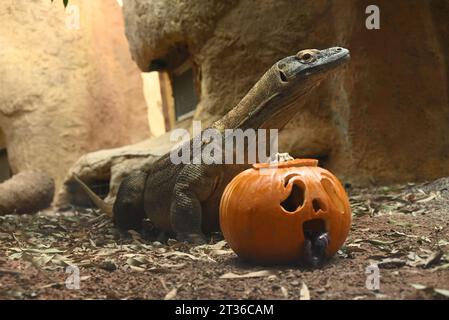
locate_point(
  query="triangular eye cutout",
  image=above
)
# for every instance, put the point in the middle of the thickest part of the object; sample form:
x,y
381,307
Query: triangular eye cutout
x,y
288,177
332,193
296,197
317,205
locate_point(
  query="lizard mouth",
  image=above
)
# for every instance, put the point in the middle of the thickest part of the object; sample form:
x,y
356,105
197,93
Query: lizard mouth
x,y
316,241
328,60
310,62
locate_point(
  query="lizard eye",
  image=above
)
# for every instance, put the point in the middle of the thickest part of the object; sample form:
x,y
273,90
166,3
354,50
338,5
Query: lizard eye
x,y
306,56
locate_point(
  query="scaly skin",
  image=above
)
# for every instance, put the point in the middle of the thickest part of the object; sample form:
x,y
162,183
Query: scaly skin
x,y
183,199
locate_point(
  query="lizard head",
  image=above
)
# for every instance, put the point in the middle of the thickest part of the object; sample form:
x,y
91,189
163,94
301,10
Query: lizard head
x,y
310,64
272,101
288,80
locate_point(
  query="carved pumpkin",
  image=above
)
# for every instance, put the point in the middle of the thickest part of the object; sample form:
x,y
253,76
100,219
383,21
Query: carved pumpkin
x,y
263,213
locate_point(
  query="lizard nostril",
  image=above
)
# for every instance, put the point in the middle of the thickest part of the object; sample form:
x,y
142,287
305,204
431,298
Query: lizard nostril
x,y
282,76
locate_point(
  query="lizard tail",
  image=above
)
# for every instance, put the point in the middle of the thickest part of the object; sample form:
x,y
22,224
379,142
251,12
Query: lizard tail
x,y
103,206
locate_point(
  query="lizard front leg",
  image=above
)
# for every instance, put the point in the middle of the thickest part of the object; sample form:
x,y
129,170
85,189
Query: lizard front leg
x,y
192,186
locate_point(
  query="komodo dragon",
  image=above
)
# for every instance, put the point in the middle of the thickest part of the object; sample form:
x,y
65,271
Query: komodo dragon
x,y
184,199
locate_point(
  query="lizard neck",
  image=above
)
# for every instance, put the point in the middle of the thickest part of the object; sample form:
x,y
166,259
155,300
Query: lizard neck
x,y
253,111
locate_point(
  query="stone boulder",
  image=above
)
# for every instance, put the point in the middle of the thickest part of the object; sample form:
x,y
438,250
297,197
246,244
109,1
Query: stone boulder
x,y
65,90
383,119
26,192
104,170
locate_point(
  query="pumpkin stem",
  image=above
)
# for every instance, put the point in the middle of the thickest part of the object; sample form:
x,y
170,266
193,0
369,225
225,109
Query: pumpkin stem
x,y
284,160
280,157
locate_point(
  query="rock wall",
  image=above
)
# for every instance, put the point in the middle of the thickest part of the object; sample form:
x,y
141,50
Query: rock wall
x,y
64,91
383,119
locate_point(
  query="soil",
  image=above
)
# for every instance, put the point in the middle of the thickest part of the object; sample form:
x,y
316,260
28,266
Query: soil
x,y
402,229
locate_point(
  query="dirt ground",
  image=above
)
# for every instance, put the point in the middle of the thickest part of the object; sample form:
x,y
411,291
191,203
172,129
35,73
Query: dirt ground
x,y
403,229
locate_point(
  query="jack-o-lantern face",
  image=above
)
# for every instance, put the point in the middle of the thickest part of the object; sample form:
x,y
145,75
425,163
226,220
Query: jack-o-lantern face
x,y
266,213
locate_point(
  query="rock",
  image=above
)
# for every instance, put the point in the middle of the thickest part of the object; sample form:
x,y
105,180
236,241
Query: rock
x,y
383,119
104,170
66,91
151,37
26,192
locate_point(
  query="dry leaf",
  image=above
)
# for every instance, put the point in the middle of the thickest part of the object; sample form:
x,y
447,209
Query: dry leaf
x,y
169,265
398,234
220,252
138,269
391,263
136,262
41,260
427,199
402,223
442,267
180,254
62,261
255,274
433,259
53,284
107,252
284,292
425,239
379,242
304,293
15,256
43,251
9,271
217,246
4,236
418,286
171,294
355,247
443,292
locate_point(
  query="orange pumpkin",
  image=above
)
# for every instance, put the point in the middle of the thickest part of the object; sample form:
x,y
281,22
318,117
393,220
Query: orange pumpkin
x,y
263,213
